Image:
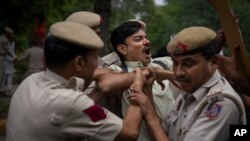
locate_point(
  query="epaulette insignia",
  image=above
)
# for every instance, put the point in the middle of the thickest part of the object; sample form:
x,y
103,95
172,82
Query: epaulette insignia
x,y
214,96
213,110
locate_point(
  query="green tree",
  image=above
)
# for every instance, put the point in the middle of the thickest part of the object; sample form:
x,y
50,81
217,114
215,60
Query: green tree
x,y
20,15
178,14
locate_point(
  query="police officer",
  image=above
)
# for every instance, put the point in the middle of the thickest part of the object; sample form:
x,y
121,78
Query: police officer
x,y
207,101
89,19
207,104
4,50
34,56
94,21
52,106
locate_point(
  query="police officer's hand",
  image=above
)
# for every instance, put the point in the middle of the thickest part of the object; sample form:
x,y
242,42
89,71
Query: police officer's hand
x,y
145,104
138,81
149,80
222,38
229,65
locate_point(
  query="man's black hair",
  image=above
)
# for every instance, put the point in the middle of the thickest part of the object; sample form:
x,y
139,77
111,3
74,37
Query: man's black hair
x,y
120,33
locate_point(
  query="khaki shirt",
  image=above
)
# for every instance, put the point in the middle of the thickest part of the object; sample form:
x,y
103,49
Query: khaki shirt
x,y
4,43
46,107
214,119
112,59
35,57
163,99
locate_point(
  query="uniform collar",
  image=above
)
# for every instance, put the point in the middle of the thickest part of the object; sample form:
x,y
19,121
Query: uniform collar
x,y
134,64
213,80
56,77
203,90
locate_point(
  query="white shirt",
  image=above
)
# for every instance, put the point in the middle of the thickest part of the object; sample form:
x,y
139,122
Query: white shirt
x,y
46,107
163,99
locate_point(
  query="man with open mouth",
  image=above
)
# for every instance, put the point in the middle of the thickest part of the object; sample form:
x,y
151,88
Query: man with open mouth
x,y
129,41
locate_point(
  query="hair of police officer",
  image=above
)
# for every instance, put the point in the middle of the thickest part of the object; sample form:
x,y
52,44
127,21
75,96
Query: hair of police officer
x,y
213,49
58,52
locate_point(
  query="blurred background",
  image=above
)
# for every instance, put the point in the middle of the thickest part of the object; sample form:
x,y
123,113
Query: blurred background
x,y
164,18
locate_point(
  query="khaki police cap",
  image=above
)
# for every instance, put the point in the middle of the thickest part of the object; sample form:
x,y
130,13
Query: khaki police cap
x,y
77,34
8,30
139,21
191,39
86,18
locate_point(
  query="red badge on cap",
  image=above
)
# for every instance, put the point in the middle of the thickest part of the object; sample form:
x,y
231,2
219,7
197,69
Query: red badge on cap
x,y
181,48
101,20
95,112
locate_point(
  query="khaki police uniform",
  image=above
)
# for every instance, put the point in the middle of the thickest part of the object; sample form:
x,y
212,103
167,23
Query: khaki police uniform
x,y
94,21
207,113
163,99
9,67
111,59
4,50
47,107
35,58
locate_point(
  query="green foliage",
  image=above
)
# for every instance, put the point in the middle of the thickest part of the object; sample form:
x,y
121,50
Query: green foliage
x,y
4,107
178,14
123,10
20,15
162,21
19,75
240,8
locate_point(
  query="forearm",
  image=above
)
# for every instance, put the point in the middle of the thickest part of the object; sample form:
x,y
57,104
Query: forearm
x,y
148,91
96,95
162,74
131,124
113,83
155,129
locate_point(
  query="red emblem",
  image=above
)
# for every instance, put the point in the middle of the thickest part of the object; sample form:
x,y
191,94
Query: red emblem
x,y
95,112
101,20
181,48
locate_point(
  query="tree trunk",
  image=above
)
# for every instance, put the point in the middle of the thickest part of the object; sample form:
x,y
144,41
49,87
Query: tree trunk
x,y
103,8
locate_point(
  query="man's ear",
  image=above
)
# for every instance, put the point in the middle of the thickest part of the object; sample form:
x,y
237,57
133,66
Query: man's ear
x,y
215,62
122,49
79,63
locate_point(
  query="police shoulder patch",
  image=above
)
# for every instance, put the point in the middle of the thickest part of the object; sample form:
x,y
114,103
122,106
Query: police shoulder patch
x,y
96,113
213,110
